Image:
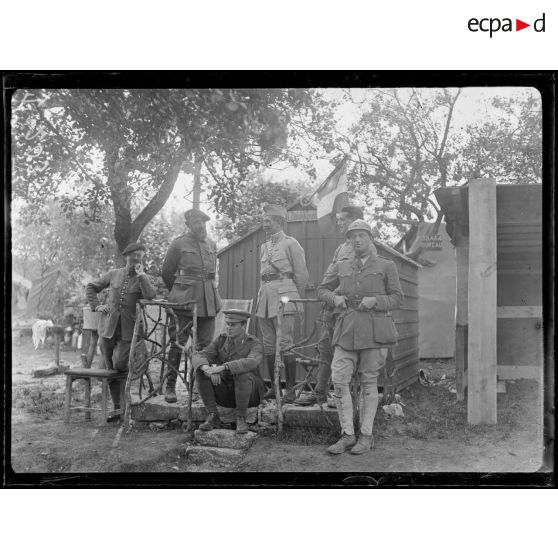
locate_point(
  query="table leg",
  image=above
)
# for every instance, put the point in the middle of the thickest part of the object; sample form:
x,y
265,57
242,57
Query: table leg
x,y
87,386
68,398
104,400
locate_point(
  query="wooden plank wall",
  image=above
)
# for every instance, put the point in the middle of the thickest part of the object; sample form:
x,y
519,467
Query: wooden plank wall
x,y
239,271
520,333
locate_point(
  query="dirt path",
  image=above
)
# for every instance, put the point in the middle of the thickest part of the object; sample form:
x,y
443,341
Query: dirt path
x,y
433,436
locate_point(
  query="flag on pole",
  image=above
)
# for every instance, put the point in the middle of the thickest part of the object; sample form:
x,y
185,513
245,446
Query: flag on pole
x,y
332,195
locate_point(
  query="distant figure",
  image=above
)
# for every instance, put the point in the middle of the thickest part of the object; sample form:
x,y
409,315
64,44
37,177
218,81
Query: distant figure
x,y
228,374
189,272
39,329
283,274
116,325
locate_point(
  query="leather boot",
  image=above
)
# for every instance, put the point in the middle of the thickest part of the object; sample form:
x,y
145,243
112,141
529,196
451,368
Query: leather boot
x,y
364,444
241,425
290,373
345,411
212,421
343,444
270,393
114,388
170,388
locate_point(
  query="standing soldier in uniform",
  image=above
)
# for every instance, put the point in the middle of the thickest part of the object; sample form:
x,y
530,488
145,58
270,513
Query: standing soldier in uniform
x,y
283,274
363,289
116,325
345,217
228,374
189,272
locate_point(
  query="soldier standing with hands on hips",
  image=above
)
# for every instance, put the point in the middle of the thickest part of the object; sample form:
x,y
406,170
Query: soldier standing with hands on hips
x,y
116,325
363,289
189,273
283,274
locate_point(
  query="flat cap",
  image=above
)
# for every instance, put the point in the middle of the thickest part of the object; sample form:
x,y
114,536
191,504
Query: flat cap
x,y
133,247
196,213
236,315
359,225
276,210
353,210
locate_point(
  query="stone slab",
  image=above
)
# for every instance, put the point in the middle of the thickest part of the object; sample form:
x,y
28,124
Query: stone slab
x,y
157,409
311,417
221,438
213,456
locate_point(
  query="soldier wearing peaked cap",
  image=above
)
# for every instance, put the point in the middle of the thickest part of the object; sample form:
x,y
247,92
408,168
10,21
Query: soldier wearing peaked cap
x,y
116,326
227,371
189,273
283,274
363,289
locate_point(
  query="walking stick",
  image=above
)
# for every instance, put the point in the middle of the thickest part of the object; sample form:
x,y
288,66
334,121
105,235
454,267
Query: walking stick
x,y
128,397
279,364
189,423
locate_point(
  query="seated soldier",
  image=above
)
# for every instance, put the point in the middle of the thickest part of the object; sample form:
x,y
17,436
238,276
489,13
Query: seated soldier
x,y
227,371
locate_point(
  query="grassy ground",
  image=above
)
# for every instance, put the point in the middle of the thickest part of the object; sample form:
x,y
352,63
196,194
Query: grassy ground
x,y
433,434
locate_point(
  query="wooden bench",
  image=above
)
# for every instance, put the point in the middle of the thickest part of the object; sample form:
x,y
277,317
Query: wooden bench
x,y
87,374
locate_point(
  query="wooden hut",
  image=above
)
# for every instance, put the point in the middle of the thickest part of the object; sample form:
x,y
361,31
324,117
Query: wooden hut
x,y
497,232
436,288
239,272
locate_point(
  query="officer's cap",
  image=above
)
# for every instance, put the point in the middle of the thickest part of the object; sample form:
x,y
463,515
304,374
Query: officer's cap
x,y
359,225
235,315
272,209
353,210
196,213
134,247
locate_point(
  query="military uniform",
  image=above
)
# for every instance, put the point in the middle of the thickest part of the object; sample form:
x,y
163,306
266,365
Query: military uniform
x,y
241,385
361,337
117,326
189,273
283,274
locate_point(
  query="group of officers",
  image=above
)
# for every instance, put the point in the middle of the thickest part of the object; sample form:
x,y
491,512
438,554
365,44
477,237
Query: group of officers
x,y
359,290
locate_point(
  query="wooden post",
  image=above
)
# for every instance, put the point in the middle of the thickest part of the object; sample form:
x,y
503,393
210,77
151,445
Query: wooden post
x,y
57,350
481,403
461,316
278,367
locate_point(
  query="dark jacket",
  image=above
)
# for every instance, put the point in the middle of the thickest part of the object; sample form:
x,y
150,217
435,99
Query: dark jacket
x,y
125,291
189,272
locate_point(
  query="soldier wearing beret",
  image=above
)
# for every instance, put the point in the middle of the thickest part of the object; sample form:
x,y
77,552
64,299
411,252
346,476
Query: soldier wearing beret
x,y
345,217
227,372
189,273
116,325
283,274
363,289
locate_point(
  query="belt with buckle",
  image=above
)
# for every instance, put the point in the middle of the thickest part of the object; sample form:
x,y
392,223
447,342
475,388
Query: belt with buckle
x,y
267,277
197,276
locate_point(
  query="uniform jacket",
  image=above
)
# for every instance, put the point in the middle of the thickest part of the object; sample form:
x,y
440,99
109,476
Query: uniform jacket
x,y
281,254
356,330
125,291
342,252
195,258
243,356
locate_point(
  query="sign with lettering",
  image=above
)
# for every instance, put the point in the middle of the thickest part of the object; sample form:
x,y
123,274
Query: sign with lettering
x,y
305,215
432,242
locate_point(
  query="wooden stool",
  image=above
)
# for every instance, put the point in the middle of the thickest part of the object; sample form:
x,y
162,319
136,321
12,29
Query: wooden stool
x,y
101,374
